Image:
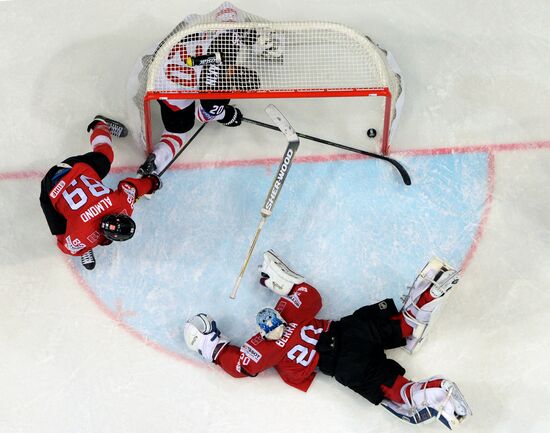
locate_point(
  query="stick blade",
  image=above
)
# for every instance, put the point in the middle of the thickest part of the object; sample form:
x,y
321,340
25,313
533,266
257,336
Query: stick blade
x,y
281,122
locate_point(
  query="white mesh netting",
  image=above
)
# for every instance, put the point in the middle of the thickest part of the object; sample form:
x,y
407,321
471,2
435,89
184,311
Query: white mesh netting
x,y
298,59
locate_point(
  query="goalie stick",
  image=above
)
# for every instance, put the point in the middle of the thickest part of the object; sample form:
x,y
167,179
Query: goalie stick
x,y
405,176
293,142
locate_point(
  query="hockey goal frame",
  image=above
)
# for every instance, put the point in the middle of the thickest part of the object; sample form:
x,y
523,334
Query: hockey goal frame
x,y
370,49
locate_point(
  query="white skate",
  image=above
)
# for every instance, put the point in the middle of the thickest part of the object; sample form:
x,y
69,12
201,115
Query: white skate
x,y
437,277
444,403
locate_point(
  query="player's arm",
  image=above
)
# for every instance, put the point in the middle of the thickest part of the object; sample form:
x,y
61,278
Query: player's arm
x,y
141,186
302,303
249,360
203,336
56,222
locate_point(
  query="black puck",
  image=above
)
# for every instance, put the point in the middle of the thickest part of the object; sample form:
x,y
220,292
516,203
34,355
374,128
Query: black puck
x,y
371,132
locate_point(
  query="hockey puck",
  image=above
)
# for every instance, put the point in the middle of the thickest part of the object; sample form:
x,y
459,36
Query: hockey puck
x,y
371,133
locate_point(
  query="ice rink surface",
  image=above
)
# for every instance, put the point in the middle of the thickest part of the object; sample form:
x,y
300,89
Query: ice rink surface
x,y
102,351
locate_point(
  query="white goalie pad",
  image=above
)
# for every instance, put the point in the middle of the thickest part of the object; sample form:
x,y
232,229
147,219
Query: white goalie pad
x,y
438,278
281,279
444,403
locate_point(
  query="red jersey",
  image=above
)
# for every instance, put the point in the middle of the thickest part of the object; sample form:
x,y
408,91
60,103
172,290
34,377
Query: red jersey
x,y
83,201
294,355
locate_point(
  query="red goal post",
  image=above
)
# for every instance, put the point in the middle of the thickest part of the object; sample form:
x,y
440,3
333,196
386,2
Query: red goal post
x,y
291,60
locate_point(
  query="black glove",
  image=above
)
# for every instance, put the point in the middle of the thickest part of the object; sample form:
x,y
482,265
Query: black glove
x,y
155,179
233,116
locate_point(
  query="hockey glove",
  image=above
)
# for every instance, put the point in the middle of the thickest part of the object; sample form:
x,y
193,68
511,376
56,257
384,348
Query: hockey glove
x,y
155,180
233,116
203,336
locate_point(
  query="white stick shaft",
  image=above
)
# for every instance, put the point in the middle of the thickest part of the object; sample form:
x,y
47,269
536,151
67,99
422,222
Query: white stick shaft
x,y
250,251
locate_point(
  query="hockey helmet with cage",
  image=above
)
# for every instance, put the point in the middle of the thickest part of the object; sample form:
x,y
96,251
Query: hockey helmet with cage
x,y
117,227
271,323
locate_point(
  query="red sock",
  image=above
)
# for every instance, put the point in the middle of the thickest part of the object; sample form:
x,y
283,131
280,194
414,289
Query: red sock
x,y
435,383
394,393
424,299
406,329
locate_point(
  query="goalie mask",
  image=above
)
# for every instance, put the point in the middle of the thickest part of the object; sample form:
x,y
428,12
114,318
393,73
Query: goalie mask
x,y
271,324
117,227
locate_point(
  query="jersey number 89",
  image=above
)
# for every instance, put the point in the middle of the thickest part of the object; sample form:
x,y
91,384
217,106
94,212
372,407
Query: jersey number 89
x,y
78,198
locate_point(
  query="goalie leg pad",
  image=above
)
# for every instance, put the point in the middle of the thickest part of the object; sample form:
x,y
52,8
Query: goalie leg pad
x,y
277,276
435,279
428,400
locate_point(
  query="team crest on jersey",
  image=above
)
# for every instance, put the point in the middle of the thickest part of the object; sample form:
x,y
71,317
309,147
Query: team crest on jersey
x,y
251,353
55,192
74,246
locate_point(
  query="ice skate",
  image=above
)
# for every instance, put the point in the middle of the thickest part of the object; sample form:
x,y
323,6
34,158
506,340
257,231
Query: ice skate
x,y
428,400
277,276
116,129
425,298
149,166
88,260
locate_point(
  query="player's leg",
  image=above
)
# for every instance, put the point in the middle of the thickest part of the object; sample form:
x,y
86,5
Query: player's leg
x,y
349,354
209,110
102,155
425,298
178,118
426,400
379,323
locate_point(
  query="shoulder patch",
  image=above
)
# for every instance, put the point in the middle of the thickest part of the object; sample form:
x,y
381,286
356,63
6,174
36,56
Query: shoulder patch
x,y
55,192
73,245
294,300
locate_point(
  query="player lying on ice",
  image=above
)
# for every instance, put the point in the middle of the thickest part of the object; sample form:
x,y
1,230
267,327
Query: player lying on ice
x,y
297,344
82,212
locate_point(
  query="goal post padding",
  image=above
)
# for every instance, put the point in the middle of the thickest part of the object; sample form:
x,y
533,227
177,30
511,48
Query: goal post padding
x,y
313,60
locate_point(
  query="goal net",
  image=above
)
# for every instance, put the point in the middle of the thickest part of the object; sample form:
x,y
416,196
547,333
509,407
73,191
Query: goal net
x,y
274,60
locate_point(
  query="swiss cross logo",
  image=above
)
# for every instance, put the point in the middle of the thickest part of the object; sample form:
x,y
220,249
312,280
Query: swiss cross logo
x,y
93,237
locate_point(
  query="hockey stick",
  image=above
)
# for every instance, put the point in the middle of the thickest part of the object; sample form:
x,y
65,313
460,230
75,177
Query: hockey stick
x,y
397,165
176,156
276,186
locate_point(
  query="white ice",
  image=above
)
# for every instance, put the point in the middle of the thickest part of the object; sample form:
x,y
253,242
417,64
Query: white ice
x,y
476,75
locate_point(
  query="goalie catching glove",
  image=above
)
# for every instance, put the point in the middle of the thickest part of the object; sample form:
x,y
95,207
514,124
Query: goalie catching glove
x,y
203,336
